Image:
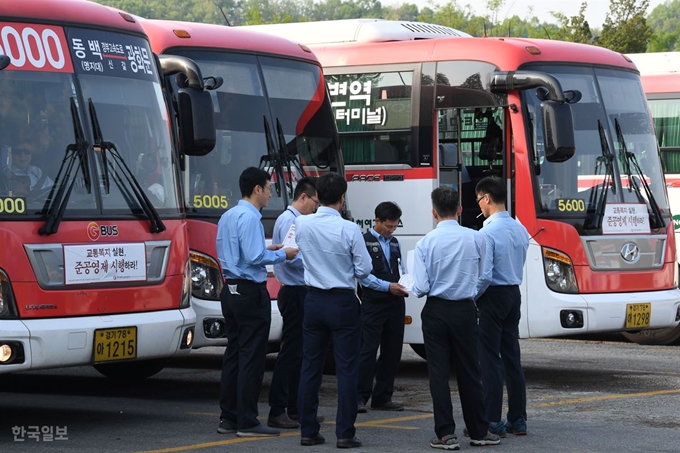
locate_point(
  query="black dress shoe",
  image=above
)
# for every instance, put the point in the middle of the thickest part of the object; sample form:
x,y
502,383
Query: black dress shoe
x,y
389,406
349,443
361,408
316,440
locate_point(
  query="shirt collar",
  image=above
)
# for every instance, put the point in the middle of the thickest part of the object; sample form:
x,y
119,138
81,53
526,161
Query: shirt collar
x,y
496,216
448,223
328,211
295,212
379,236
249,205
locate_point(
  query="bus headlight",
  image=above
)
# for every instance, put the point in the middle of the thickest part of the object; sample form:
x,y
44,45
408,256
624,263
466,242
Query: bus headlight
x,y
8,308
206,277
185,302
559,271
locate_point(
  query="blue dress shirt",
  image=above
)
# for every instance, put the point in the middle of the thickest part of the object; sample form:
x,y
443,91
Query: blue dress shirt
x,y
448,262
240,244
506,251
333,250
290,273
372,281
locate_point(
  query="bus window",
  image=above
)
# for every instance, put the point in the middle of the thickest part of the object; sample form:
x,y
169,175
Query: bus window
x,y
666,114
373,114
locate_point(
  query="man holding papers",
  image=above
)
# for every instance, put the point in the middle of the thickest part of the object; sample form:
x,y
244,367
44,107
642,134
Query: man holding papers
x,y
286,377
383,310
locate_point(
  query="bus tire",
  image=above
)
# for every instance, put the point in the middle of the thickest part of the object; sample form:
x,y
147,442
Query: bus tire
x,y
667,336
419,349
131,371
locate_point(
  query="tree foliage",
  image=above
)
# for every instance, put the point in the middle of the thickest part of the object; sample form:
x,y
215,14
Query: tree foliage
x,y
625,30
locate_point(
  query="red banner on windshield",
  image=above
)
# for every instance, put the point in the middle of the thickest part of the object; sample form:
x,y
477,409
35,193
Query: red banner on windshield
x,y
33,47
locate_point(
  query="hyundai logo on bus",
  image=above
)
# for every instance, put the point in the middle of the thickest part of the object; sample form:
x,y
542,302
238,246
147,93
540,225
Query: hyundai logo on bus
x,y
630,252
94,230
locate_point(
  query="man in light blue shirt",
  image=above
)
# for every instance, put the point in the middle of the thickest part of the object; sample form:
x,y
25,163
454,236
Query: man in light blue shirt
x,y
499,302
383,311
335,257
246,305
283,391
448,262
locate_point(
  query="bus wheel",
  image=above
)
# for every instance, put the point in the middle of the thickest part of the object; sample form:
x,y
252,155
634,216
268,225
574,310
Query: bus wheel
x,y
655,336
131,371
419,349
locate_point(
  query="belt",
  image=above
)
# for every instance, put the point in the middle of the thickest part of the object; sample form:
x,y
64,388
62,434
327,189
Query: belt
x,y
437,298
332,290
242,281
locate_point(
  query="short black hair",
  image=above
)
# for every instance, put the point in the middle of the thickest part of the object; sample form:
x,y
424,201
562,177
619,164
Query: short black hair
x,y
445,201
330,188
251,177
495,187
306,185
387,210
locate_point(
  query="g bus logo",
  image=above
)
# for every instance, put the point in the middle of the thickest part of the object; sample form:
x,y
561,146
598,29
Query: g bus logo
x,y
95,231
34,47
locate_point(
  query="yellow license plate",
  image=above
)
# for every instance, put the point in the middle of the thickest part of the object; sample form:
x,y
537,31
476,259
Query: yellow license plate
x,y
115,344
638,315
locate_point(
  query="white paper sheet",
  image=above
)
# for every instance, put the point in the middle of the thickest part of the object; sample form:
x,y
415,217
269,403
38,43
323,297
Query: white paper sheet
x,y
406,281
289,240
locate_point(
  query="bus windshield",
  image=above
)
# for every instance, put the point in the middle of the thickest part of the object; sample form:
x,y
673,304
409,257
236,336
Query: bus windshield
x,y
625,153
271,113
132,116
47,119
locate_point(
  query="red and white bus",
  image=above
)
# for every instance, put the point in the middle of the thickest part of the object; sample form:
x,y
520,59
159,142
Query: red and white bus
x,y
272,110
661,83
566,125
94,261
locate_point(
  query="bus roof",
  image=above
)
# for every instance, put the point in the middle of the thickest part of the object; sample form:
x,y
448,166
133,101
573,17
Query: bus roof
x,y
68,12
219,37
656,62
358,30
661,84
506,53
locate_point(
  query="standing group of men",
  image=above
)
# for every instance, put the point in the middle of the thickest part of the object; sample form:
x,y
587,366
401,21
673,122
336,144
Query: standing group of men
x,y
463,273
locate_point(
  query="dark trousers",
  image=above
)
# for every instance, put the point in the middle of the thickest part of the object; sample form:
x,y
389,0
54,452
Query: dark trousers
x,y
247,317
382,326
336,317
283,392
499,309
450,334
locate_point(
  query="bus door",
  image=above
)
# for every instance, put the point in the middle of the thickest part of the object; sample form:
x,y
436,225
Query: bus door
x,y
470,147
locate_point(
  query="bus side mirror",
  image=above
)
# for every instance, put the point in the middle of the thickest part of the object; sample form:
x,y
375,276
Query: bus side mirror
x,y
558,131
4,61
196,123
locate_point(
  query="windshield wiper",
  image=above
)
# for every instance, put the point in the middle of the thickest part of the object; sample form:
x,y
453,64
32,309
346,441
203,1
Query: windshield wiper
x,y
56,202
288,157
157,225
607,159
632,159
271,156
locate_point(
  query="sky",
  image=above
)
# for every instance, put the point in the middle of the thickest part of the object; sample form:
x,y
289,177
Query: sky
x,y
595,12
